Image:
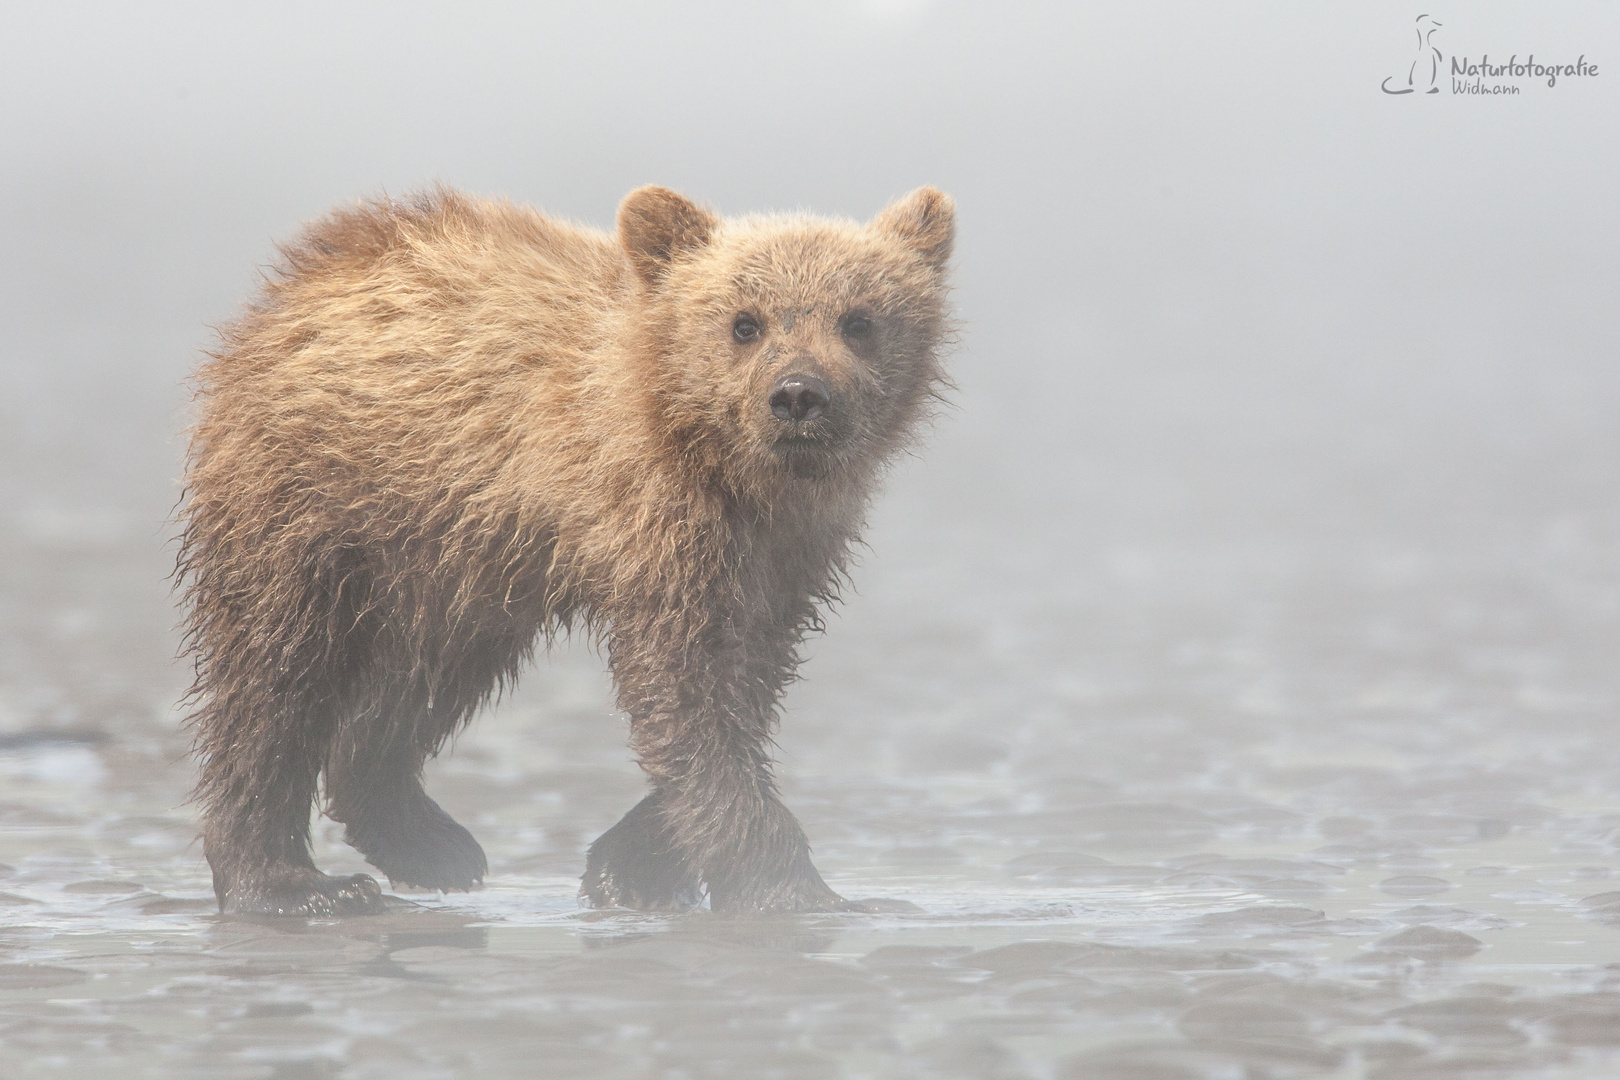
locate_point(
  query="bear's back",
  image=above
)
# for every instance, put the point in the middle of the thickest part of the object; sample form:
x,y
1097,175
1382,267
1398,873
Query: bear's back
x,y
441,278
402,337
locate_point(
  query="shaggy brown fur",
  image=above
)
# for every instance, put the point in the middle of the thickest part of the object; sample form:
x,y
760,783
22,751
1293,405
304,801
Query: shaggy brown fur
x,y
449,428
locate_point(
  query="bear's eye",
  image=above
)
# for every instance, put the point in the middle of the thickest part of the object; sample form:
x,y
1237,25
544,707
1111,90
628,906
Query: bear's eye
x,y
857,326
745,328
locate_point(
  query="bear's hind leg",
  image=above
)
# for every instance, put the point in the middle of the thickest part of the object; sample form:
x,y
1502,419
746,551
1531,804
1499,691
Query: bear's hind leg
x,y
374,786
257,789
302,891
406,835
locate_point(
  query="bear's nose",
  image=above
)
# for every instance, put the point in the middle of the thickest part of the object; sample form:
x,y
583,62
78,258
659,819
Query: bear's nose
x,y
799,397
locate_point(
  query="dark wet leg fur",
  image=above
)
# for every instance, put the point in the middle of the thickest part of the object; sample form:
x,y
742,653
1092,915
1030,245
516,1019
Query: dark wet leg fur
x,y
769,872
409,837
256,832
637,864
634,865
374,786
797,888
296,891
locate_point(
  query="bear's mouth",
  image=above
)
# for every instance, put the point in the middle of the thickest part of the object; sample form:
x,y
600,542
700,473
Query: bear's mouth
x,y
806,455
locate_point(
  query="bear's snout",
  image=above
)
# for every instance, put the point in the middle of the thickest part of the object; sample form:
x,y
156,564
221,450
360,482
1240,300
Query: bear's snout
x,y
799,398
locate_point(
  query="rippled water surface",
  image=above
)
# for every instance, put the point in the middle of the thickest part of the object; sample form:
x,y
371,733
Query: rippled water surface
x,y
1316,810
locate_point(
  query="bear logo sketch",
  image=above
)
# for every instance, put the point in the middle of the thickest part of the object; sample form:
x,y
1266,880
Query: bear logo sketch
x,y
1427,60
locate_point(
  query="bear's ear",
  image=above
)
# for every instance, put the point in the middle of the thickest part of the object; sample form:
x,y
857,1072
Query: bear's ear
x,y
655,225
924,220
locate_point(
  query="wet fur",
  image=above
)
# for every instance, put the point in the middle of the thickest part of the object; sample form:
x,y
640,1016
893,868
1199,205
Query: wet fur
x,y
448,430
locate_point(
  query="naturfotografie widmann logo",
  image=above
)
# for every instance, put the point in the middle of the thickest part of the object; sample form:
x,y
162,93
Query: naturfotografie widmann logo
x,y
1423,74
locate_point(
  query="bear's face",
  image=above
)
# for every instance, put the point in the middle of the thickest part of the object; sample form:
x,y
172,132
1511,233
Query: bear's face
x,y
791,349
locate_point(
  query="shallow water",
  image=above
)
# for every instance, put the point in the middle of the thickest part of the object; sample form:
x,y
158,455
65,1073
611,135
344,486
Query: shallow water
x,y
1314,806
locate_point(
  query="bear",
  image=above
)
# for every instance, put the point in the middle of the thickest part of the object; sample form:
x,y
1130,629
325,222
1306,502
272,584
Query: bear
x,y
448,430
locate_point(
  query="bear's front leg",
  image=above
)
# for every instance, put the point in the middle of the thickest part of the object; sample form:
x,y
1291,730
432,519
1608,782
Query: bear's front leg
x,y
739,842
701,710
637,864
766,868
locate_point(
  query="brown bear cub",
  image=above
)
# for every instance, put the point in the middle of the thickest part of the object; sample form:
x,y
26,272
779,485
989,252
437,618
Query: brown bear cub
x,y
447,429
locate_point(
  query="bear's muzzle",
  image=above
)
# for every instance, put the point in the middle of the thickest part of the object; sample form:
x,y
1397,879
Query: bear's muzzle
x,y
799,398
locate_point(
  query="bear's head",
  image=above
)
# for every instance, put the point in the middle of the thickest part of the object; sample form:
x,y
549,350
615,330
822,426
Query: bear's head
x,y
785,351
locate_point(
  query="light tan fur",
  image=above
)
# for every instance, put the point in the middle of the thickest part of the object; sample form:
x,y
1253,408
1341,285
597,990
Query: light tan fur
x,y
450,425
